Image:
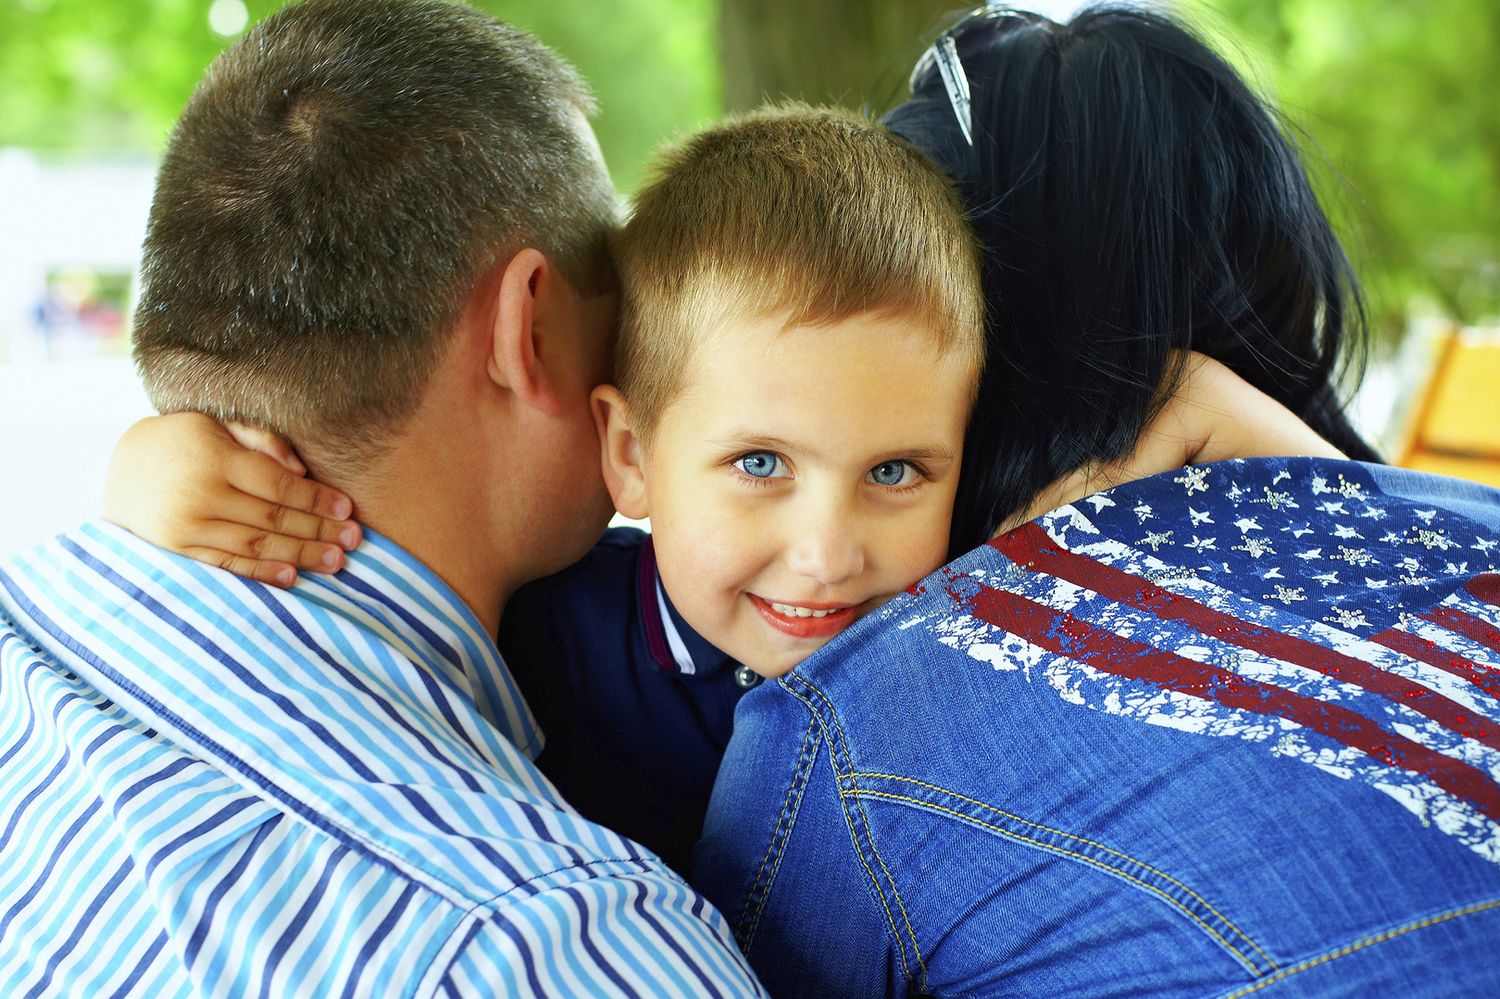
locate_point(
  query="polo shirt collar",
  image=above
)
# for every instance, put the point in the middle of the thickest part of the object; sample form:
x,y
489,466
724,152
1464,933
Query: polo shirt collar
x,y
674,646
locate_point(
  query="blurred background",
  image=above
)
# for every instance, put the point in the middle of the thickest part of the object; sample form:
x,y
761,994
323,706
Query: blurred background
x,y
1394,102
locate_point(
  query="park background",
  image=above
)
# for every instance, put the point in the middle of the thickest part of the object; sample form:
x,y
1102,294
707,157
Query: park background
x,y
1393,102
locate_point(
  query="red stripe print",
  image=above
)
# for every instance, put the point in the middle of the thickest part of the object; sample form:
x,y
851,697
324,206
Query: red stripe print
x,y
1031,546
1419,648
1485,587
1077,639
1467,625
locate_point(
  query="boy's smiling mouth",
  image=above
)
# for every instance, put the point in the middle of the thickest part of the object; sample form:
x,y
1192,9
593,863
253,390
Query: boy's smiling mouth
x,y
813,620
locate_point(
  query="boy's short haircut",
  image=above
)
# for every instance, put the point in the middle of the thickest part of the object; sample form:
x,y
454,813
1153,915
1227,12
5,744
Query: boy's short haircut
x,y
814,214
336,184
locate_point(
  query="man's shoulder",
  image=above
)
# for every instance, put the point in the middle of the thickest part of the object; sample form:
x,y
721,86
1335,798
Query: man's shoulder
x,y
622,929
401,867
343,700
72,581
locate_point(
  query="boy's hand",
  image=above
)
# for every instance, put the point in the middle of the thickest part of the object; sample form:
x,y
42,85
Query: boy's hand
x,y
233,496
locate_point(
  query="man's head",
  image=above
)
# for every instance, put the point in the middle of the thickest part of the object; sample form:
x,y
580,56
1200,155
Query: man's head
x,y
341,180
800,341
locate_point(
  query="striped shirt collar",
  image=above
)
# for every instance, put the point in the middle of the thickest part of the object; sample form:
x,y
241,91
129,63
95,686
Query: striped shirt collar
x,y
382,589
383,584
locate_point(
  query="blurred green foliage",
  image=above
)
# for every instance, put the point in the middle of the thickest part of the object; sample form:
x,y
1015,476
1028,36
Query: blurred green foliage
x,y
91,78
1401,102
1397,101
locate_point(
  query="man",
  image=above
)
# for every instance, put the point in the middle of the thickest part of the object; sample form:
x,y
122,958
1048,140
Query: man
x,y
379,230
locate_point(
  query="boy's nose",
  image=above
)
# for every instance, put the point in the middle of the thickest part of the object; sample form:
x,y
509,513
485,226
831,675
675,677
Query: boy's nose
x,y
826,550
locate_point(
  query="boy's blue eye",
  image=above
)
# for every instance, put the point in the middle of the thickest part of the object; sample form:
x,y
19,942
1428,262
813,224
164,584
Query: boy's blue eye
x,y
762,465
891,473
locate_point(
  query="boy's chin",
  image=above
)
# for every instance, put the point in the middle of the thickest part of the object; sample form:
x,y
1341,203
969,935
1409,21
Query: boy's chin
x,y
776,666
778,663
773,671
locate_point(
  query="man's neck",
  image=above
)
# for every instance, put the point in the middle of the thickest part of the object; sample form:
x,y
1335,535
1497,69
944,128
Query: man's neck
x,y
419,497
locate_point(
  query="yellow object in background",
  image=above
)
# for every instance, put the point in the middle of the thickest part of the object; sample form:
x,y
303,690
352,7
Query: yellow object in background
x,y
1455,429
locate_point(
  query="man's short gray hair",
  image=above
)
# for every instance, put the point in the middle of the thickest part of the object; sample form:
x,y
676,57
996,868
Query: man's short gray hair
x,y
340,178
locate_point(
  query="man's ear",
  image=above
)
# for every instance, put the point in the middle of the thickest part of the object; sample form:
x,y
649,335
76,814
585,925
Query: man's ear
x,y
515,360
624,470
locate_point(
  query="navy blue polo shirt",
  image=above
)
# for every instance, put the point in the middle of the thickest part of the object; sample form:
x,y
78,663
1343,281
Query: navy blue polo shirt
x,y
635,706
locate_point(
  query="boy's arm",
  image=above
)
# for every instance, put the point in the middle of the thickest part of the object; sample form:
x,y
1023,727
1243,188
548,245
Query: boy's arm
x,y
230,495
1220,416
1214,415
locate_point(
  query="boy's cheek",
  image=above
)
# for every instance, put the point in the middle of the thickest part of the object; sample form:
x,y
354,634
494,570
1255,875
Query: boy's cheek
x,y
918,546
704,566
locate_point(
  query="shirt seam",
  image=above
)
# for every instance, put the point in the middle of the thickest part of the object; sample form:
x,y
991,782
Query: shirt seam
x,y
1364,943
474,918
911,935
756,896
1230,924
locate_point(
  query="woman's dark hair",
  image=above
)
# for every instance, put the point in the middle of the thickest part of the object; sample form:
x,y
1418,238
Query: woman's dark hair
x,y
1133,198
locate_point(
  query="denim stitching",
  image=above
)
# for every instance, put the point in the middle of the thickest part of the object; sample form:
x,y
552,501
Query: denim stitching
x,y
1085,858
756,896
1245,937
905,917
849,822
870,832
1369,941
805,763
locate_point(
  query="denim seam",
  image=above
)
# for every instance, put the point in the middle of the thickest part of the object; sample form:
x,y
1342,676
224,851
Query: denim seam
x,y
835,749
755,898
854,838
1365,942
1083,857
1241,934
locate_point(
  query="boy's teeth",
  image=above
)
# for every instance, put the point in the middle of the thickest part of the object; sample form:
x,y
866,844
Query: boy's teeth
x,y
792,611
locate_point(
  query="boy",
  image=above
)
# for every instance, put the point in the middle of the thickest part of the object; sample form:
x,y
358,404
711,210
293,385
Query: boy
x,y
801,336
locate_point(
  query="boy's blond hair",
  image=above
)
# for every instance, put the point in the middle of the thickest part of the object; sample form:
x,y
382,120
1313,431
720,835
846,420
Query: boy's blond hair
x,y
814,214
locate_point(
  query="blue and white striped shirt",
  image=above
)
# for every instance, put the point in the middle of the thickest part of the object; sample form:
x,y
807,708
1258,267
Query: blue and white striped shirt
x,y
212,787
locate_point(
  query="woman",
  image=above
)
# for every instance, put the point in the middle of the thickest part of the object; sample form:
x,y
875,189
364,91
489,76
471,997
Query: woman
x,y
1134,198
1197,734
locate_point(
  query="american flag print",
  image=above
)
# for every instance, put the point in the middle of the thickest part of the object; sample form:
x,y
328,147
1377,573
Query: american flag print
x,y
1289,603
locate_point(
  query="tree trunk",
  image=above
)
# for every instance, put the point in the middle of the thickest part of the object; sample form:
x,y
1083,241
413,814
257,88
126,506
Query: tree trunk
x,y
851,52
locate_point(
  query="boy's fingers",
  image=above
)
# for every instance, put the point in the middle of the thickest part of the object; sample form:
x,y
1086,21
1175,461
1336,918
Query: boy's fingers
x,y
251,473
331,504
347,534
314,556
273,518
271,573
273,446
264,546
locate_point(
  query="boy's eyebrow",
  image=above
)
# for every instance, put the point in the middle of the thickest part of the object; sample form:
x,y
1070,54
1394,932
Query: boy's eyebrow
x,y
751,442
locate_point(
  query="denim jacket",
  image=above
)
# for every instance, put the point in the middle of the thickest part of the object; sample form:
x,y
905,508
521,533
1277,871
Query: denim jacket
x,y
1226,731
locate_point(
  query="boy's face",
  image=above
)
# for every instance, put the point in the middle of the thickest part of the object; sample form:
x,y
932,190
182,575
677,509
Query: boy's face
x,y
802,477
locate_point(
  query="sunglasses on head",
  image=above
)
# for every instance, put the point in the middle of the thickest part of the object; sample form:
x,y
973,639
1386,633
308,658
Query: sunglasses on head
x,y
945,55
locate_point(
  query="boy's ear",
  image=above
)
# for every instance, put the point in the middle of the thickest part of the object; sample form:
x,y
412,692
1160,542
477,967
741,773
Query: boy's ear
x,y
523,301
624,471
